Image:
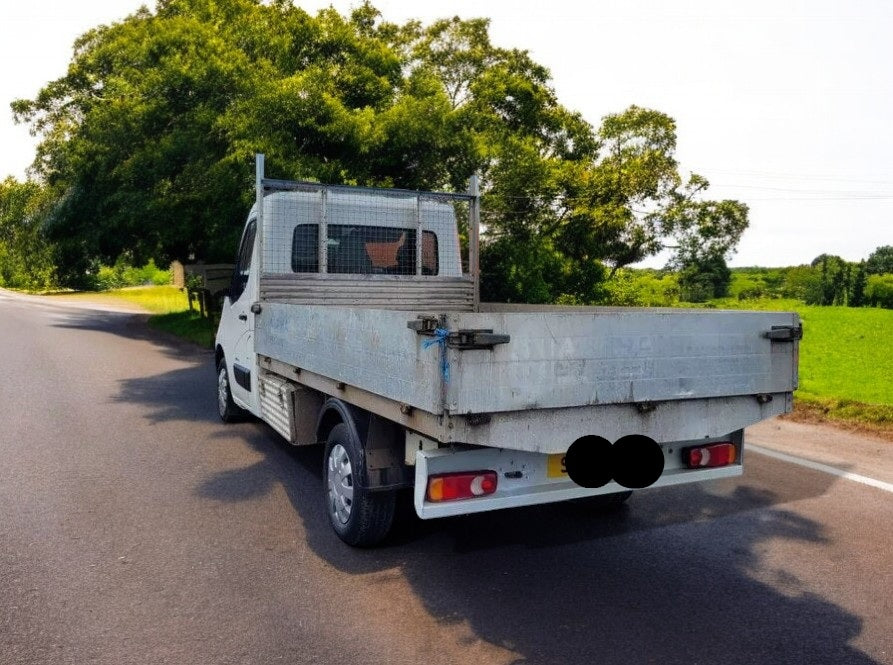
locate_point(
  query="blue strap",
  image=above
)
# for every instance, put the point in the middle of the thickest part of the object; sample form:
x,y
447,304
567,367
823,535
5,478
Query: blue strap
x,y
440,338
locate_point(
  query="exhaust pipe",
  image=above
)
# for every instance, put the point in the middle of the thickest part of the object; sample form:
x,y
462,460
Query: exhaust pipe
x,y
637,461
588,461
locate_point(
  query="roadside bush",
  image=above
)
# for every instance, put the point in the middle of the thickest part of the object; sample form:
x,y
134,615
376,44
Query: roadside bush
x,y
26,258
622,290
704,280
123,274
658,289
747,286
802,283
879,291
752,293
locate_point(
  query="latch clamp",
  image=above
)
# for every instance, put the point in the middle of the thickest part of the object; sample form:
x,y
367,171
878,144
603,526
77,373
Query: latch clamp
x,y
463,340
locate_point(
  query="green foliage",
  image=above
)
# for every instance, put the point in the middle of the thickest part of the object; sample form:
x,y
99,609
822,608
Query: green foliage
x,y
26,258
879,291
880,261
533,273
747,287
623,290
803,283
857,287
147,142
642,288
123,274
764,304
705,279
828,281
658,289
832,287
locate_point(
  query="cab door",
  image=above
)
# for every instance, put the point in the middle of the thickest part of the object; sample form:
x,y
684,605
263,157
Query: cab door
x,y
237,325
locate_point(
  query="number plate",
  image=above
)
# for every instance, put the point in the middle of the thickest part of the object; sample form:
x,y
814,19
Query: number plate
x,y
555,466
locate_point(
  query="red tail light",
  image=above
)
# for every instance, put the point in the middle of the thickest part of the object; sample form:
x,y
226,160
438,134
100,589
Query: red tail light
x,y
715,454
463,485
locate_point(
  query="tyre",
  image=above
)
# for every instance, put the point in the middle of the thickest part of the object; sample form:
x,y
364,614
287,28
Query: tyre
x,y
361,518
226,407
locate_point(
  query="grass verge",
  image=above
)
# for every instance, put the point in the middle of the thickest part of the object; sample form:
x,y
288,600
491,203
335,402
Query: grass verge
x,y
188,325
154,299
854,416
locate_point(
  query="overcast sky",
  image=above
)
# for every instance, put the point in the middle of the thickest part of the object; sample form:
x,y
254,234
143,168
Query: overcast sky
x,y
787,106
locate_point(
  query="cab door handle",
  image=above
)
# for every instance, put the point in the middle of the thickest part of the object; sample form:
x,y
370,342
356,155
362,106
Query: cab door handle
x,y
243,317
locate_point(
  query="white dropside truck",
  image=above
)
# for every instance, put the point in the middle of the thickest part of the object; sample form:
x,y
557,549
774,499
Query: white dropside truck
x,y
353,322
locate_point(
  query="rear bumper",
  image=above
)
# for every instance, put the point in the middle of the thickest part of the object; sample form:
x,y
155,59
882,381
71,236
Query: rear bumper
x,y
523,478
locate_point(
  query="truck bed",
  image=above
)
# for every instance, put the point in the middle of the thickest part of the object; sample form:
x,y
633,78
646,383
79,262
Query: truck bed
x,y
672,374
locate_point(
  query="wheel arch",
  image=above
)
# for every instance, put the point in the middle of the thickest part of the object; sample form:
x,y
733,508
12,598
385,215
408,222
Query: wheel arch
x,y
335,411
380,441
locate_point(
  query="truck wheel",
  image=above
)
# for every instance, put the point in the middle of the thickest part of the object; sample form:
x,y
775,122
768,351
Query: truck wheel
x,y
360,518
226,407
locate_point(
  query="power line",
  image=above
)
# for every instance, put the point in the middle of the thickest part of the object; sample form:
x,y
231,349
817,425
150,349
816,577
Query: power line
x,y
797,176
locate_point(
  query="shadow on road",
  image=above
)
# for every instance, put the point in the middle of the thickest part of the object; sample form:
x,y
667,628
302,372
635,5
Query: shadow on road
x,y
131,326
676,576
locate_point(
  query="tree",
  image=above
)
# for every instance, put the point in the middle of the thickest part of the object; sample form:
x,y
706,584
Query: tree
x,y
147,142
26,259
857,290
638,203
131,148
879,291
880,261
704,279
833,283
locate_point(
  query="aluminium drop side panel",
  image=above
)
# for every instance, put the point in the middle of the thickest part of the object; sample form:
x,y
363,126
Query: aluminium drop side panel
x,y
589,356
371,349
554,361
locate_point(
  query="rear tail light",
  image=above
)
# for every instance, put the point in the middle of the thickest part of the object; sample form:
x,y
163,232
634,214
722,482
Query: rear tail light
x,y
715,454
463,485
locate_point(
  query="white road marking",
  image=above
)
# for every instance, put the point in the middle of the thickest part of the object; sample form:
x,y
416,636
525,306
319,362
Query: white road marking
x,y
817,466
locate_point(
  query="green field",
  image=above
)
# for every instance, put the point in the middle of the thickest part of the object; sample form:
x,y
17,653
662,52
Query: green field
x,y
846,360
846,352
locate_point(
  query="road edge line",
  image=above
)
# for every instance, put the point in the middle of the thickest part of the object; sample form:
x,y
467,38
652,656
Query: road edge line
x,y
818,466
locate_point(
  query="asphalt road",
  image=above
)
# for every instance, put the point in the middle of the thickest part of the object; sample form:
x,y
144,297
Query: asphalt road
x,y
136,528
